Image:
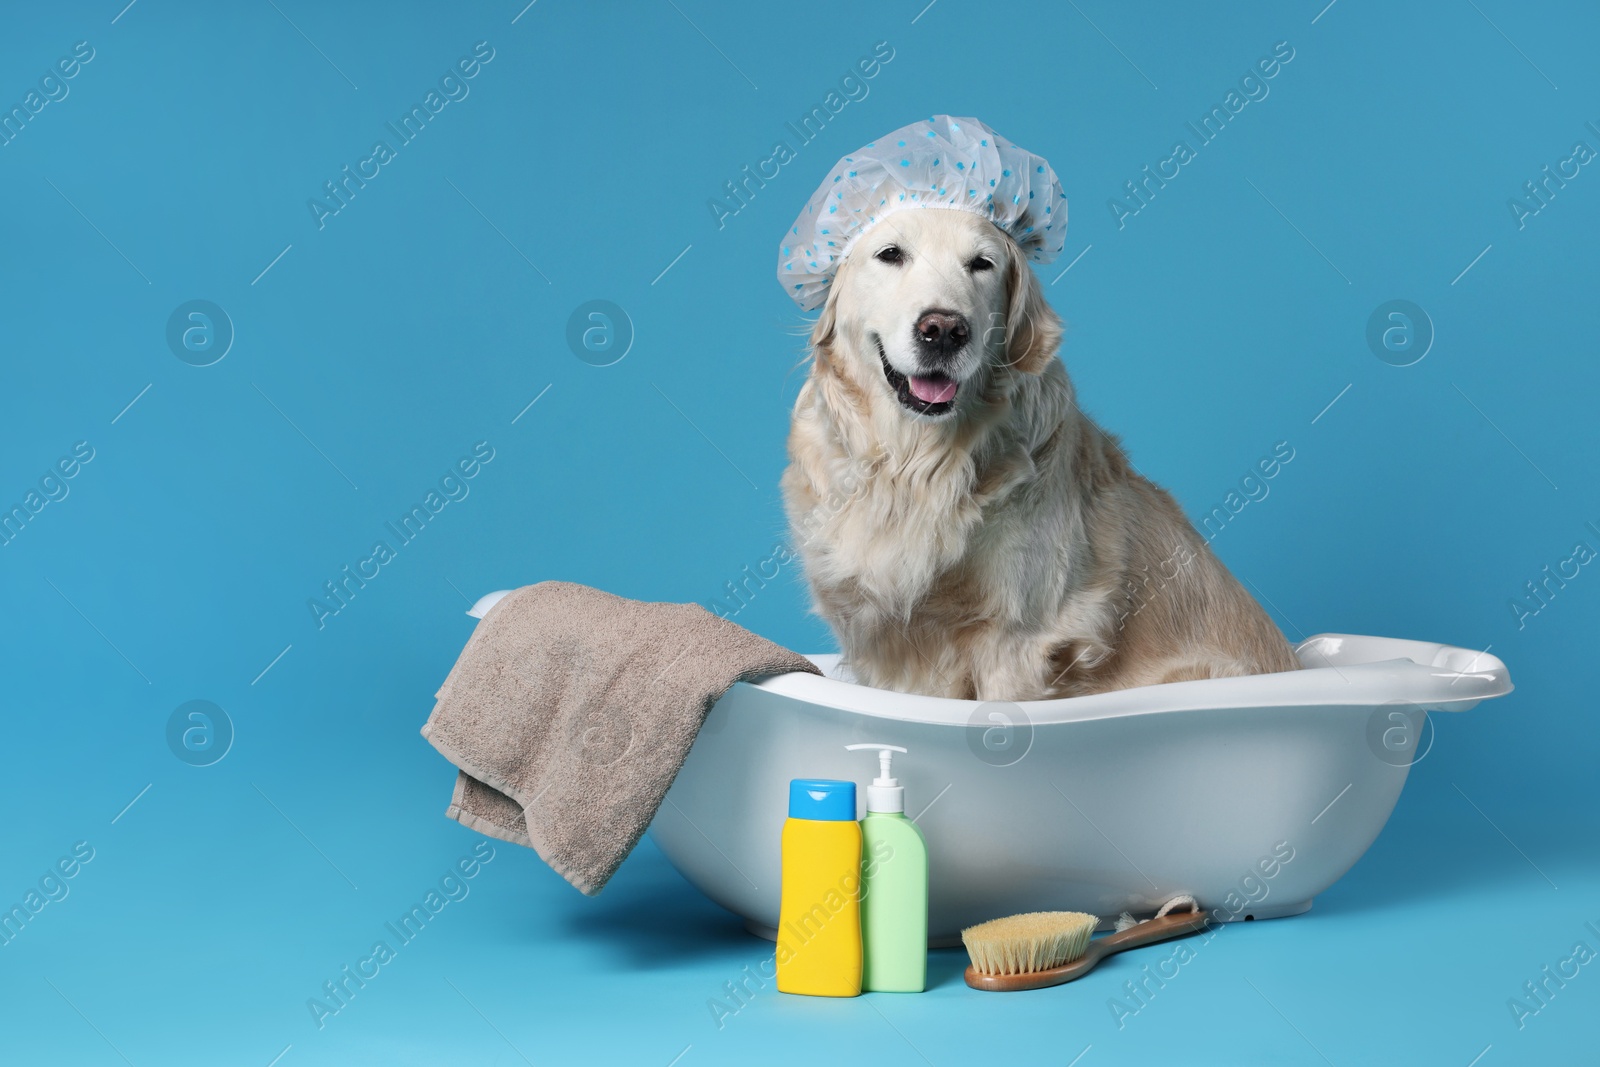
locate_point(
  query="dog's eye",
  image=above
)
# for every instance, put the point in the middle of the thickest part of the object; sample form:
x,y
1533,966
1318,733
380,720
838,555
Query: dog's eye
x,y
981,263
890,254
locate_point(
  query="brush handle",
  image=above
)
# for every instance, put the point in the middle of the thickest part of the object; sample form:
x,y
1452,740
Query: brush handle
x,y
1146,933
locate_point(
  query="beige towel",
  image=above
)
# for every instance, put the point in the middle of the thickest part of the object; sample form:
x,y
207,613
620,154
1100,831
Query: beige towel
x,y
570,711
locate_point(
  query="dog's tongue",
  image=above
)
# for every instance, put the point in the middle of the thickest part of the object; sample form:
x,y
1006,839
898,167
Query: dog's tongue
x,y
933,390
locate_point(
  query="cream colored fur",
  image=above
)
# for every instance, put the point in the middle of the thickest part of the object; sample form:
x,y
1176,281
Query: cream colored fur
x,y
1006,550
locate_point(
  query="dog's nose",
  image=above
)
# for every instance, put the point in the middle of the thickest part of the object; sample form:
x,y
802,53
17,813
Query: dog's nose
x,y
941,334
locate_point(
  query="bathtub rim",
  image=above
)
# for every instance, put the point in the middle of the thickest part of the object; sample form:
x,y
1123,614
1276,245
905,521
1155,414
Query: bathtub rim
x,y
1361,672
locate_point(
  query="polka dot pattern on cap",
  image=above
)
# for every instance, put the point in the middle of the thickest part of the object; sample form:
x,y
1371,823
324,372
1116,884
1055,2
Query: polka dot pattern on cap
x,y
940,162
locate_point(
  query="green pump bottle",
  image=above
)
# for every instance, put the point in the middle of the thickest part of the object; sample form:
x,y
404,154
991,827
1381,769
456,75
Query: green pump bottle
x,y
894,887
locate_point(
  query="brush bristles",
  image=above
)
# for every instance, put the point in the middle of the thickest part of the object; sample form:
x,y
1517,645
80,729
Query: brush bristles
x,y
1023,944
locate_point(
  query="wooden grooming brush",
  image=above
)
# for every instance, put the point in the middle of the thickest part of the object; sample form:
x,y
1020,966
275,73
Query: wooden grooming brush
x,y
1045,948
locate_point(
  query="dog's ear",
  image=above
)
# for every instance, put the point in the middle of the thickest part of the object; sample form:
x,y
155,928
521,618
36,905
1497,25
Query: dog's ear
x,y
1033,329
822,331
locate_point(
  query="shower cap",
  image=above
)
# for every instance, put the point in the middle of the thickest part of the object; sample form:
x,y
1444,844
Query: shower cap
x,y
940,162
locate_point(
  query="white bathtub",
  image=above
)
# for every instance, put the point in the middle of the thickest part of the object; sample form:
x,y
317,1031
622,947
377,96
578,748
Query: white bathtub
x,y
1251,794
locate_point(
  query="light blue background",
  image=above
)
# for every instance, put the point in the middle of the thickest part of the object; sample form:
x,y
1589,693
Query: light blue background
x,y
1223,318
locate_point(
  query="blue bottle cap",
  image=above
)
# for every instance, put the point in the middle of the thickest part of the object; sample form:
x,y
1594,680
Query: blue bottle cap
x,y
822,798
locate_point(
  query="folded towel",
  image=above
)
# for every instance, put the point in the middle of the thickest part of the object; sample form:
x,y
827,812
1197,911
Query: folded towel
x,y
570,711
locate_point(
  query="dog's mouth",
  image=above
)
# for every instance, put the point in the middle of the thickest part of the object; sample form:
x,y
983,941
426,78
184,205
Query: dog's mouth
x,y
926,394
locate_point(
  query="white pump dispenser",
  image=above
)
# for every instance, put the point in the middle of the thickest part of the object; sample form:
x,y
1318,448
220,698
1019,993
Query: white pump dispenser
x,y
894,886
885,795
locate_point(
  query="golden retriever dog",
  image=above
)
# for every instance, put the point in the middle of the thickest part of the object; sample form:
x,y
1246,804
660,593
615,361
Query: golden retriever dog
x,y
965,529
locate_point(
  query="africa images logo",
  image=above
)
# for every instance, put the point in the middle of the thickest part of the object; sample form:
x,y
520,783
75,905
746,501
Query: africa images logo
x,y
453,87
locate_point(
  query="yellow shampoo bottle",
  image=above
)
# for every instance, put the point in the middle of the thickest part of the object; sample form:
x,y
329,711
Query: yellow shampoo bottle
x,y
819,916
